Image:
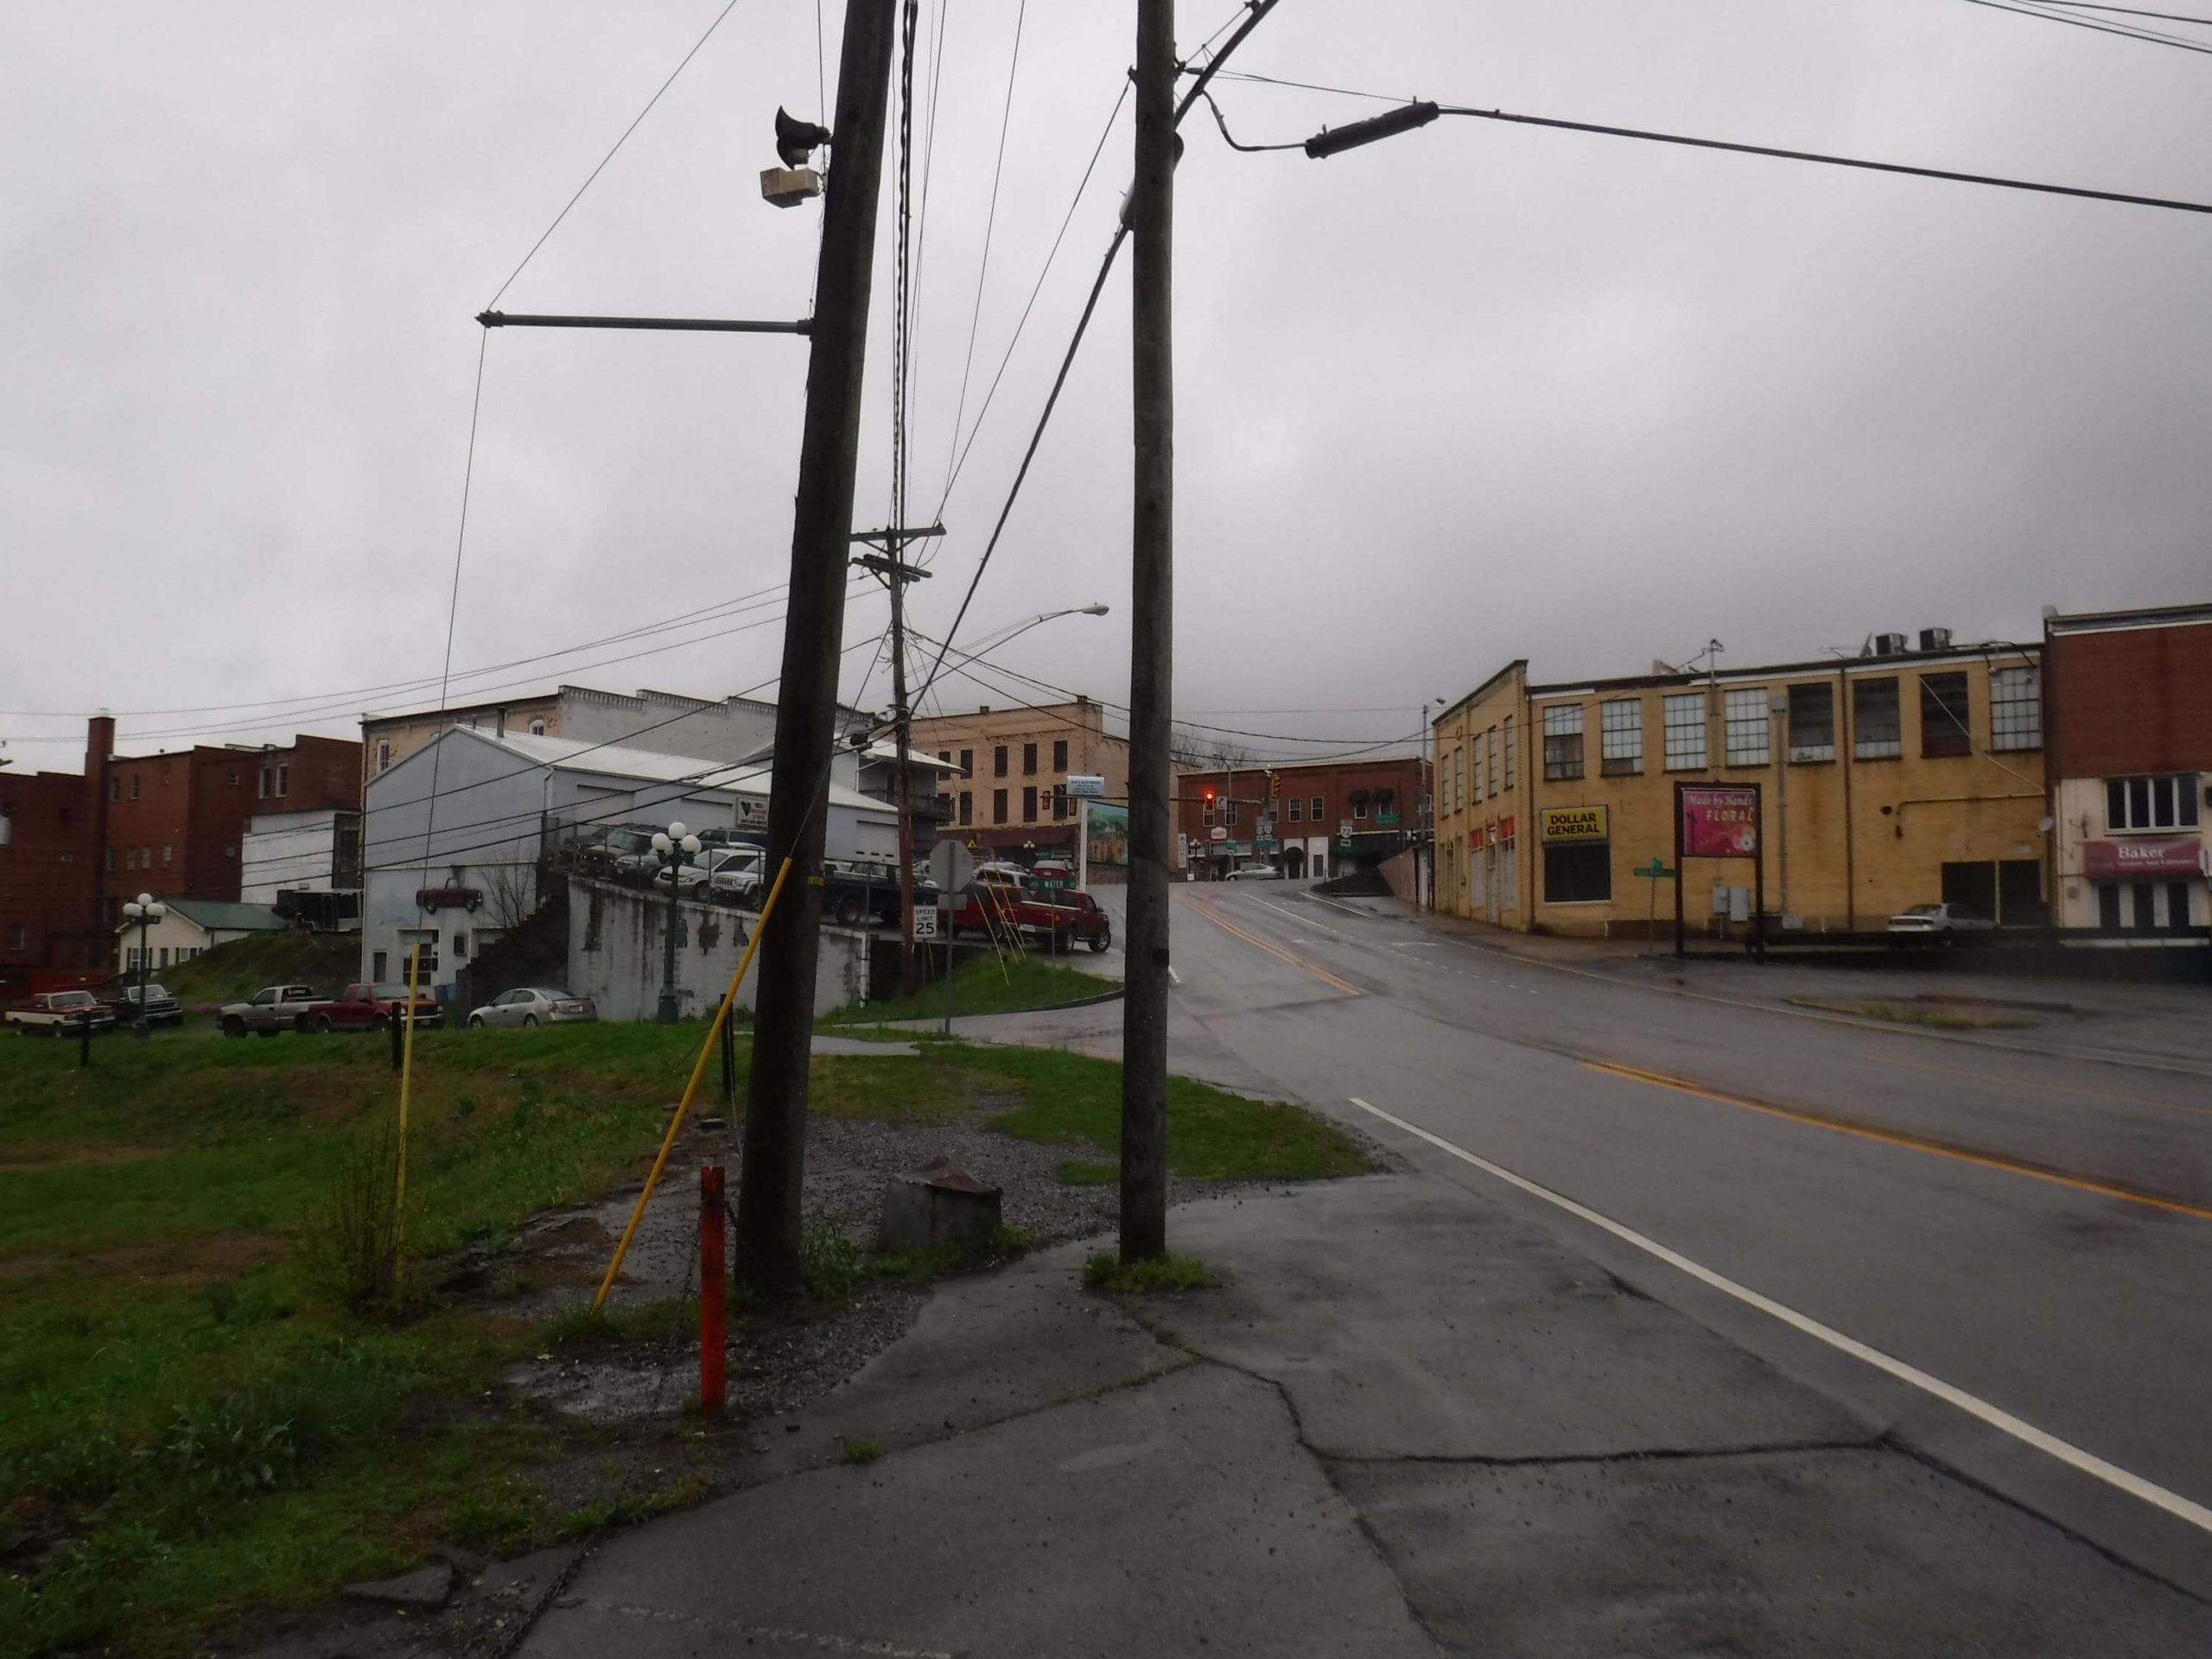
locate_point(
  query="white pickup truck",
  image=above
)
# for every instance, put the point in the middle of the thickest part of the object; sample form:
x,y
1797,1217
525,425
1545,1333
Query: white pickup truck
x,y
271,1009
52,1013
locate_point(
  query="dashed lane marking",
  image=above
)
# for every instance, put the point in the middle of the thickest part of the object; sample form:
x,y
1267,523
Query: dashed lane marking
x,y
2196,1515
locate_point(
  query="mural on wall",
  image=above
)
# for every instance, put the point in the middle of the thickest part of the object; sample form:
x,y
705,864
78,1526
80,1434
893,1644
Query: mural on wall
x,y
1106,831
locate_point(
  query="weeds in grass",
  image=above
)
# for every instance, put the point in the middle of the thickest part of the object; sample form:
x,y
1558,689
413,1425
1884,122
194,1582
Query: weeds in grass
x,y
1105,1271
861,1450
583,1325
491,1525
354,1244
828,1261
984,1250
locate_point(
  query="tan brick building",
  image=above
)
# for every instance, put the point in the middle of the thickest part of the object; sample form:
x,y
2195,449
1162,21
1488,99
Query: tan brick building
x,y
1008,792
1899,777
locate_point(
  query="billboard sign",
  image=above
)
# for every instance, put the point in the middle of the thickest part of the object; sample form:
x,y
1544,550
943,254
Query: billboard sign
x,y
1106,835
2168,855
1719,820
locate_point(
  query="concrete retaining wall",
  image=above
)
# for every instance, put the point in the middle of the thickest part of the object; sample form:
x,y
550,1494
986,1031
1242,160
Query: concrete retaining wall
x,y
615,939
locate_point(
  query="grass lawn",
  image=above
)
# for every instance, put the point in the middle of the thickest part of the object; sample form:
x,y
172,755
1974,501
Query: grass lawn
x,y
192,1424
234,971
985,984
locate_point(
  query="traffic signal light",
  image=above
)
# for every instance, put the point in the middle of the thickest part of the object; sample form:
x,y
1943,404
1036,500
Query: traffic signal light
x,y
1209,797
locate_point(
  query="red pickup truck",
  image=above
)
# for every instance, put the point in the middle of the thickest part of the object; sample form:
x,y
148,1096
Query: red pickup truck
x,y
373,1008
1061,916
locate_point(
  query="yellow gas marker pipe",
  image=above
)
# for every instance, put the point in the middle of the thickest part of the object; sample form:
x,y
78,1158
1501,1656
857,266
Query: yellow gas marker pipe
x,y
683,1106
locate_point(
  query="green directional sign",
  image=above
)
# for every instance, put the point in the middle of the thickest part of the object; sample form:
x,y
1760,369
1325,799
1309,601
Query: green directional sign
x,y
1655,870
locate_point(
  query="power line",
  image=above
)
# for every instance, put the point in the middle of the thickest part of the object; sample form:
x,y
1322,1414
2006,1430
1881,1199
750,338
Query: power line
x,y
2130,11
632,128
1815,157
1036,289
731,607
2126,31
1256,14
990,223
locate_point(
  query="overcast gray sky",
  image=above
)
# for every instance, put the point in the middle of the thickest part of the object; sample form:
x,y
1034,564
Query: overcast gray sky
x,y
1478,393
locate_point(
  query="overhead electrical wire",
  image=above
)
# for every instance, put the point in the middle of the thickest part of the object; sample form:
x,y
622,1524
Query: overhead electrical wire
x,y
1256,15
1037,288
2125,31
990,223
1815,156
2130,11
731,606
625,139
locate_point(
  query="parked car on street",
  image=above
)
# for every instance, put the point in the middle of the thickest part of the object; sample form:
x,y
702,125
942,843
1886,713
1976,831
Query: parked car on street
x,y
1256,872
271,1009
532,1006
373,1008
740,880
162,1008
1946,918
58,1013
855,892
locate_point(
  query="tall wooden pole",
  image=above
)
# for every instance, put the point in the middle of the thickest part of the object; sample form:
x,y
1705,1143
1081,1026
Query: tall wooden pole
x,y
769,1191
1144,1020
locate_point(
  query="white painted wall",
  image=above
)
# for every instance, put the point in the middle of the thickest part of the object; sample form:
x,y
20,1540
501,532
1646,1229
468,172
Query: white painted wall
x,y
616,936
293,851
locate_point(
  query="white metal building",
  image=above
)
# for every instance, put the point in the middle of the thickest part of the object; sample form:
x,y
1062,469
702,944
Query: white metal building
x,y
472,852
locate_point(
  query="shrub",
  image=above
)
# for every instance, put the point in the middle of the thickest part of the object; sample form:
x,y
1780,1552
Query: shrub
x,y
354,1244
828,1261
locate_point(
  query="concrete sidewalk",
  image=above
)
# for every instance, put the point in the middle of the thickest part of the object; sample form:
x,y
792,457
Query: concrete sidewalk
x,y
1408,1423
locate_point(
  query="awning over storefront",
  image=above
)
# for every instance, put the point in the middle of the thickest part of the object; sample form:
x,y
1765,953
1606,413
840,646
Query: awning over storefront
x,y
2146,856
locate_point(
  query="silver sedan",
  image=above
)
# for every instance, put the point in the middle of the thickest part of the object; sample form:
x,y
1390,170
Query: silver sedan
x,y
534,1005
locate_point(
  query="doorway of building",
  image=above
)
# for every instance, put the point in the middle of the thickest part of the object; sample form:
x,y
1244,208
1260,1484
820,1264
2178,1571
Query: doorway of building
x,y
1293,862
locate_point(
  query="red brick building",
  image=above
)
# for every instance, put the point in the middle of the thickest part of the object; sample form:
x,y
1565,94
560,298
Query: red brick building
x,y
175,821
50,830
2128,731
1313,819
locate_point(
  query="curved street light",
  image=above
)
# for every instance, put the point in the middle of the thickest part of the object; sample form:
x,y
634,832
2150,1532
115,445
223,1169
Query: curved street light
x,y
145,910
673,844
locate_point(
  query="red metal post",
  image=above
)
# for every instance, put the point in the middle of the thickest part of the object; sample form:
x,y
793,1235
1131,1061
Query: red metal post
x,y
714,1308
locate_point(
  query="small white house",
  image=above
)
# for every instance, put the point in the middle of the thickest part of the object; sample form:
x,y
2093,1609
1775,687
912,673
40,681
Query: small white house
x,y
452,834
189,928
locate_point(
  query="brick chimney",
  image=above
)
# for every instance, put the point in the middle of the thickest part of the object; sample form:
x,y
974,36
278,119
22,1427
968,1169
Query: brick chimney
x,y
99,751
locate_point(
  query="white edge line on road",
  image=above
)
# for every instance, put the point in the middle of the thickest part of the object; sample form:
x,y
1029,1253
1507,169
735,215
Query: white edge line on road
x,y
2134,1485
1173,978
1303,921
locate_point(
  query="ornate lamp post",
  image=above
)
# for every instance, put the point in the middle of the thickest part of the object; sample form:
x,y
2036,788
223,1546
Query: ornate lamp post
x,y
145,910
674,845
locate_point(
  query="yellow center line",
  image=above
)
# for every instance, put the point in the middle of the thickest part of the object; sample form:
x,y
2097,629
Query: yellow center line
x,y
2052,1088
1888,1138
1320,973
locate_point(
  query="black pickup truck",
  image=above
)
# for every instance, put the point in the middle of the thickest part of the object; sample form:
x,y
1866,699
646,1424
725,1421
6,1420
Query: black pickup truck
x,y
855,892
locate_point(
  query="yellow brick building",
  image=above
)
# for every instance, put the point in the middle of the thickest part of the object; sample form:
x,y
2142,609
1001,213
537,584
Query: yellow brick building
x,y
1886,780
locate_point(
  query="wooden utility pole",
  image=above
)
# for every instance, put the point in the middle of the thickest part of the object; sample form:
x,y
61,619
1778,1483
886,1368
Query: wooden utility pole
x,y
769,1205
1144,1020
895,573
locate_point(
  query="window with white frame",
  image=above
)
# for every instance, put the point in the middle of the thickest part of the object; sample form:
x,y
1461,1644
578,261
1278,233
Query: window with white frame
x,y
1744,726
1489,762
1682,720
1314,808
1812,722
1475,757
2168,802
1563,740
1296,806
2016,708
1876,734
383,756
1508,751
1620,737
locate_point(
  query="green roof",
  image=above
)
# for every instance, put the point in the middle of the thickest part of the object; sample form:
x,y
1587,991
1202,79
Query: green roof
x,y
216,916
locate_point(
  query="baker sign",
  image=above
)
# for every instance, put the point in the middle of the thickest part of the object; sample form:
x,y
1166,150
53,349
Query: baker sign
x,y
1720,822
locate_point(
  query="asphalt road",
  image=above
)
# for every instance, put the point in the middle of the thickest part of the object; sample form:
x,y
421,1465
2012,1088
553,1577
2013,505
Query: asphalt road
x,y
2003,1255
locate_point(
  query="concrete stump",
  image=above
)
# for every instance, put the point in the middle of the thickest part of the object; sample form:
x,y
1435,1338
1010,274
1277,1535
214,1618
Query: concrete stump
x,y
936,1205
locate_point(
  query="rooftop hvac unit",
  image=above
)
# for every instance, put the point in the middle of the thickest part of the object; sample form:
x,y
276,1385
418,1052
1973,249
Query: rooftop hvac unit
x,y
1934,638
1889,645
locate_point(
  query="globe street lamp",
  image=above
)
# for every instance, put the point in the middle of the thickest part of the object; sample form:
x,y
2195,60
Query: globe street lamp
x,y
145,910
673,844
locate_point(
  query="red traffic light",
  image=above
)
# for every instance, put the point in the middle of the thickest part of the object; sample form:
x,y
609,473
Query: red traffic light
x,y
1209,795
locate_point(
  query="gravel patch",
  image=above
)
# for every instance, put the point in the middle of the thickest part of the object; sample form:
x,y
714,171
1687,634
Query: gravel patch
x,y
778,1361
